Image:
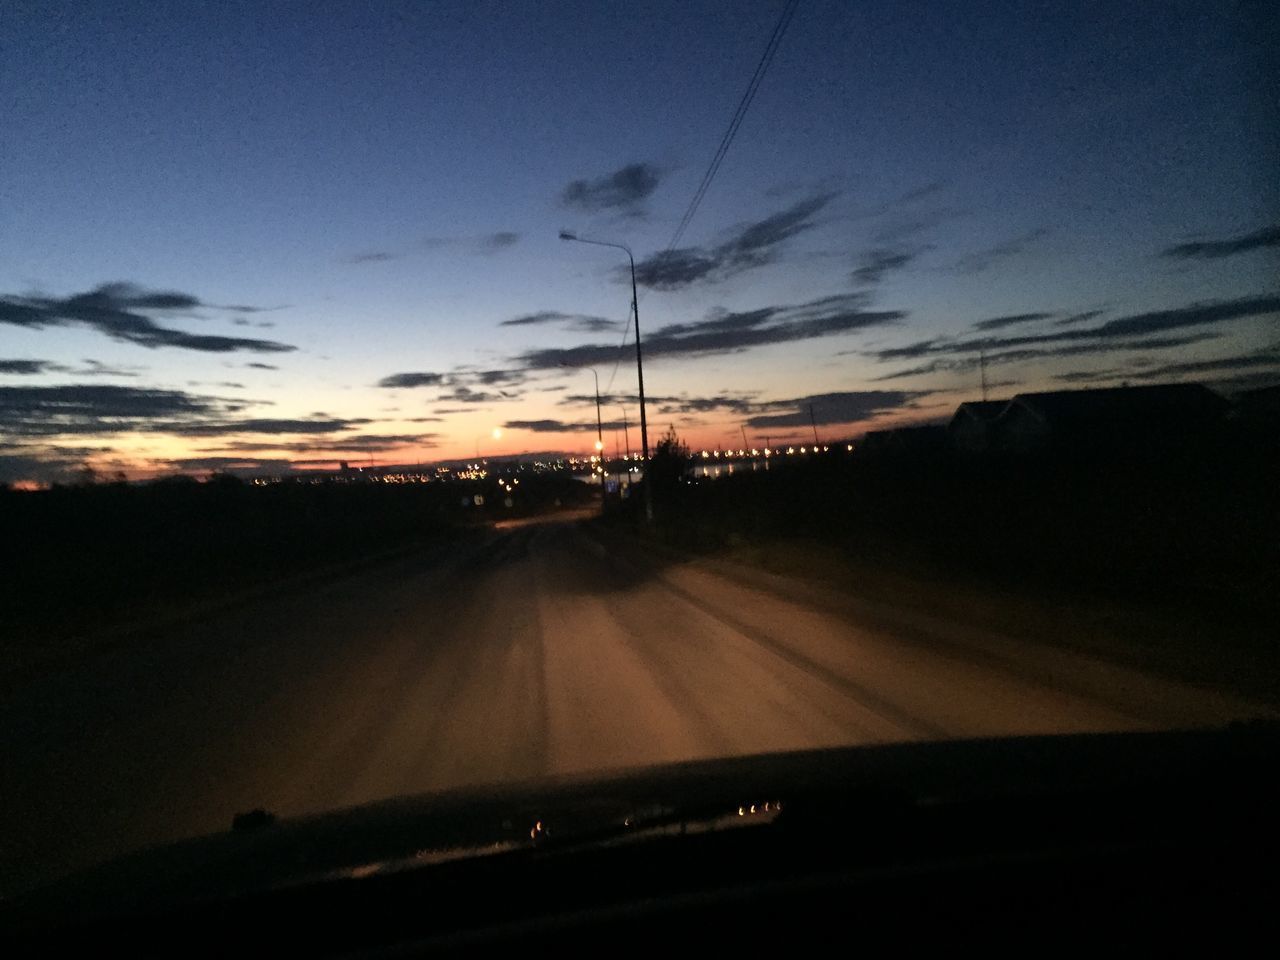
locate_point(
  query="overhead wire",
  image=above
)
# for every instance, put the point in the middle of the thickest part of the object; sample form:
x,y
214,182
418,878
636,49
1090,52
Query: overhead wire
x,y
744,104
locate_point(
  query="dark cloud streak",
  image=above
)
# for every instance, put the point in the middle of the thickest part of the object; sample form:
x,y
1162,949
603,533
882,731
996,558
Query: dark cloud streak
x,y
731,331
623,190
118,311
754,245
1263,239
1012,319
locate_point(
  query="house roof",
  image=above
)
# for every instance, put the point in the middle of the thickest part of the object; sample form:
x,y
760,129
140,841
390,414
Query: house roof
x,y
1159,402
980,409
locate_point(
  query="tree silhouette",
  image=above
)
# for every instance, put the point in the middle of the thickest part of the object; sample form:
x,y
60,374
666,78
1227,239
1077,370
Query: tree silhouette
x,y
669,461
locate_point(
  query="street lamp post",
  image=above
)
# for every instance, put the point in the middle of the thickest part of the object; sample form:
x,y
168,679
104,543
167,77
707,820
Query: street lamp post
x,y
635,311
599,427
626,434
599,432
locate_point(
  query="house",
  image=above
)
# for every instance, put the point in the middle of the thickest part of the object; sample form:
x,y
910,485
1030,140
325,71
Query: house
x,y
1110,419
1261,404
970,428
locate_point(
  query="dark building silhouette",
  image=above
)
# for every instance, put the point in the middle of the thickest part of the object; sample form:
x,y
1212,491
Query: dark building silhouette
x,y
1109,419
970,428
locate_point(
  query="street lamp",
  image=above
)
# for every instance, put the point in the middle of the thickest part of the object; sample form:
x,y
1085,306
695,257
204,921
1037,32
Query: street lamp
x,y
626,432
635,310
599,428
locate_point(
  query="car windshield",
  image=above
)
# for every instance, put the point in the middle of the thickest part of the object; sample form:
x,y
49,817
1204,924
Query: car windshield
x,y
404,397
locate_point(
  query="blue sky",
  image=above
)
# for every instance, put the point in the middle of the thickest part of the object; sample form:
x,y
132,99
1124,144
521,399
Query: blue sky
x,y
382,186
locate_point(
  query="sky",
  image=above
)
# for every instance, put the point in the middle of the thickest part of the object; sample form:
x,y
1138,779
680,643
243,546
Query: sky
x,y
274,236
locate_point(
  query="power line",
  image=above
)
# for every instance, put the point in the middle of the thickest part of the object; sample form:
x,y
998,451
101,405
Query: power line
x,y
775,38
744,104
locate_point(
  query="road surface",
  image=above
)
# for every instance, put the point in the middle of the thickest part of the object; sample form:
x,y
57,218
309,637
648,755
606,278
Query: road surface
x,y
542,650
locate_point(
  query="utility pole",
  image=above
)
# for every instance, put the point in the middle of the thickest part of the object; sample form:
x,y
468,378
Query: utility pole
x,y
635,312
982,361
813,421
626,434
743,428
599,430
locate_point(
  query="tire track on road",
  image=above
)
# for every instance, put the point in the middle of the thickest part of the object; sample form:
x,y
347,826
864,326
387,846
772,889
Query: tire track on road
x,y
860,694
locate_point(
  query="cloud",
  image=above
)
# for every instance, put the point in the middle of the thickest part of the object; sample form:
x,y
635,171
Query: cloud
x,y
262,366
355,443
92,408
488,378
586,324
844,407
741,403
425,419
983,260
751,246
1266,359
259,425
928,190
1131,329
228,465
242,308
972,361
1262,239
91,368
828,408
23,367
501,240
463,394
673,269
97,409
118,310
459,382
1263,363
561,426
1009,320
397,380
41,465
575,322
725,331
1075,318
1193,315
624,189
95,368
448,411
542,316
875,264
756,238
373,256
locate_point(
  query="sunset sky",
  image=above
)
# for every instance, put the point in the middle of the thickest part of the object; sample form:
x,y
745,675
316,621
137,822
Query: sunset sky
x,y
256,235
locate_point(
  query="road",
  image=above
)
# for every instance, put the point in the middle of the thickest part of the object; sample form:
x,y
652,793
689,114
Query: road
x,y
542,650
